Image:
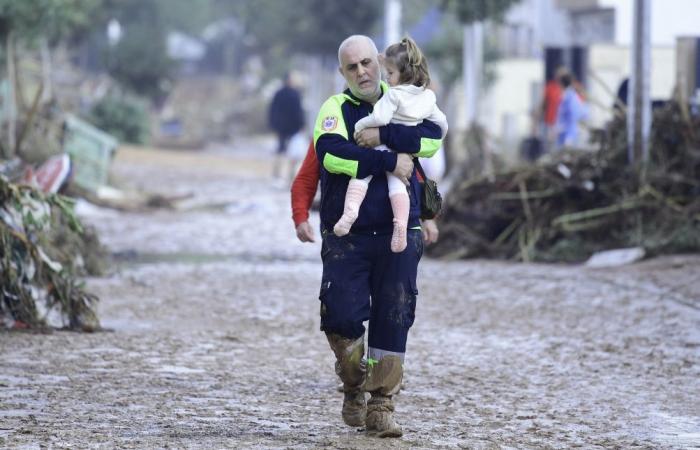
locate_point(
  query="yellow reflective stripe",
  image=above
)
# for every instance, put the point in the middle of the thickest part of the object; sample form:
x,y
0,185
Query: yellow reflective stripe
x,y
428,147
333,164
415,228
330,118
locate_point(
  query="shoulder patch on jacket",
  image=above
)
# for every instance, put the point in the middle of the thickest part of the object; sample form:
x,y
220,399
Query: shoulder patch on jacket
x,y
330,123
330,118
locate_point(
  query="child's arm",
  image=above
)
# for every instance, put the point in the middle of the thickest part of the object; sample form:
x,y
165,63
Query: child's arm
x,y
440,119
337,154
383,111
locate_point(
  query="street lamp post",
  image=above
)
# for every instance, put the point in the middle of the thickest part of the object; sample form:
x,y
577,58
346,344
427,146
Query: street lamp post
x,y
639,110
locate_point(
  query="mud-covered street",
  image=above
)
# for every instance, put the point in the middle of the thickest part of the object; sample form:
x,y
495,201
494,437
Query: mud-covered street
x,y
214,341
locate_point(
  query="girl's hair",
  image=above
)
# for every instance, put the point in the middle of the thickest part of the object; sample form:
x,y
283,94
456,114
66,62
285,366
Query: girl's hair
x,y
409,60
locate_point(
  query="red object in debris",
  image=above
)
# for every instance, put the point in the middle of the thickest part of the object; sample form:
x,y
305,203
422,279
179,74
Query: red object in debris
x,y
19,325
51,175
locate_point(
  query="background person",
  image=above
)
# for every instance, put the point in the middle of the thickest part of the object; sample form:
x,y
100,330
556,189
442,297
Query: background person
x,y
286,118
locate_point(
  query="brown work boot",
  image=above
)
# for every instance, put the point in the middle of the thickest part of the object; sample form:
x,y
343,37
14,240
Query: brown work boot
x,y
354,409
380,417
351,370
383,381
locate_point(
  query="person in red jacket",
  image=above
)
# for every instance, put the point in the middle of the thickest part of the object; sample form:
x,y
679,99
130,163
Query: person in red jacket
x,y
304,189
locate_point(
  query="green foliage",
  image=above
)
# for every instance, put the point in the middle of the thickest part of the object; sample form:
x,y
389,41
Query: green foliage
x,y
52,18
445,54
187,16
445,51
336,20
123,116
275,29
139,61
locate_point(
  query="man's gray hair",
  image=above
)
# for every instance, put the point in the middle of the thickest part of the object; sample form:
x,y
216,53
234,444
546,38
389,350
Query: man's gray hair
x,y
356,39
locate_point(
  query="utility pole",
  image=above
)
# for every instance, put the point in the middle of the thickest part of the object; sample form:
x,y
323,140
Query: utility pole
x,y
472,60
639,108
392,22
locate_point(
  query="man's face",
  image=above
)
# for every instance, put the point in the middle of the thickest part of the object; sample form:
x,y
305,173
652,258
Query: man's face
x,y
360,68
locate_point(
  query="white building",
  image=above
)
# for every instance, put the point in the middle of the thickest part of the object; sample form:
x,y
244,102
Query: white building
x,y
603,27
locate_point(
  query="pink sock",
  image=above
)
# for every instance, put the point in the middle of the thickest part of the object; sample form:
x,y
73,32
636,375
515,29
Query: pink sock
x,y
356,192
400,205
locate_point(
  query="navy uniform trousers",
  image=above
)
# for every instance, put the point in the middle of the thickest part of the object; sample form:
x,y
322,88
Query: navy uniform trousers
x,y
363,280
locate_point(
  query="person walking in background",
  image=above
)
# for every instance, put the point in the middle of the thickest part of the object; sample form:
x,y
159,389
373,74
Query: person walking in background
x,y
550,107
286,118
407,102
572,110
303,191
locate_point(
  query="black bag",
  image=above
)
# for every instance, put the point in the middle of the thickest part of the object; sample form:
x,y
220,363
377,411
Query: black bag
x,y
431,200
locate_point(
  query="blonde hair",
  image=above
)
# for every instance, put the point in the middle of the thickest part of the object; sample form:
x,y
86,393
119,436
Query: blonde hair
x,y
410,62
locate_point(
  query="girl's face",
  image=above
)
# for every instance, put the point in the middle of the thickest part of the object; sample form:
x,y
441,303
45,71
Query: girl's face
x,y
392,73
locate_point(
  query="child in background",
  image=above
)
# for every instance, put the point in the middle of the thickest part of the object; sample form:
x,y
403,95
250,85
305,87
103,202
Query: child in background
x,y
407,102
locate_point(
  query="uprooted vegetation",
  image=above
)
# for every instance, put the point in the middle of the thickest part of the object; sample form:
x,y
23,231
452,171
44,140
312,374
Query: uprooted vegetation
x,y
575,203
39,261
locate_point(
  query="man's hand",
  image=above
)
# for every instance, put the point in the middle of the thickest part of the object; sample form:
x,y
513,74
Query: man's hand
x,y
369,137
404,167
305,233
430,232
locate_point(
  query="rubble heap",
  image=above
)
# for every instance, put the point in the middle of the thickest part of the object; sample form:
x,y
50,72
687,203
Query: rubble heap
x,y
573,204
39,288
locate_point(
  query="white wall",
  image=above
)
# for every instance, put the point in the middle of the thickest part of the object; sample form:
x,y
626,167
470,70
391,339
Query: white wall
x,y
611,64
507,106
669,19
509,102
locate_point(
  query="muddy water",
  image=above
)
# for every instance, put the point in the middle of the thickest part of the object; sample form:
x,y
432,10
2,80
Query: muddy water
x,y
215,341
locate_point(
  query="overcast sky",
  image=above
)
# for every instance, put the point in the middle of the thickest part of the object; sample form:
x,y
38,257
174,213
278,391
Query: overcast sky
x,y
669,18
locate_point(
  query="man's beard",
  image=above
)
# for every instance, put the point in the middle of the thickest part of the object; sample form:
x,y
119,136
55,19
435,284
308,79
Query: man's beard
x,y
370,97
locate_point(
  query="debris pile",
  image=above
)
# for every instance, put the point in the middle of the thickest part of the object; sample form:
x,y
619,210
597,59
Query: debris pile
x,y
575,203
37,274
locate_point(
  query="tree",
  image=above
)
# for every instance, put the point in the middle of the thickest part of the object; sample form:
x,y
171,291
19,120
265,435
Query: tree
x,y
139,60
30,21
471,13
276,30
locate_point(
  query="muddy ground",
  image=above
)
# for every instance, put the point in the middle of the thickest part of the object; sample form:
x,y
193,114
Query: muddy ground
x,y
215,341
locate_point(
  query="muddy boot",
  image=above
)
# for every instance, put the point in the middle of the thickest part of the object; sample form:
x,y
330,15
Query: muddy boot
x,y
383,381
380,417
351,370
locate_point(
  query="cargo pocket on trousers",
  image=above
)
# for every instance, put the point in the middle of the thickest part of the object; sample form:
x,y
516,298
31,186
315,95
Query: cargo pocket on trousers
x,y
323,297
408,314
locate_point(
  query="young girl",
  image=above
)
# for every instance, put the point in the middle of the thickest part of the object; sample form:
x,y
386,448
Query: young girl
x,y
408,102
